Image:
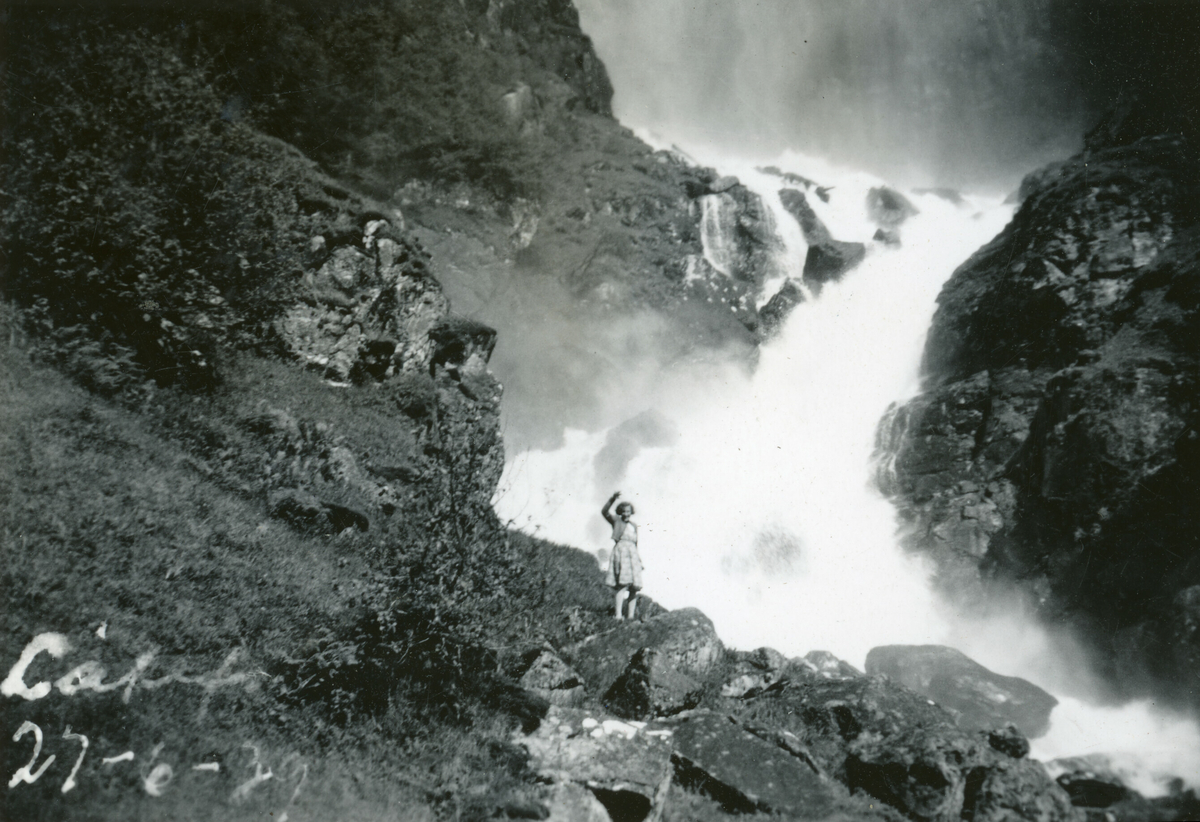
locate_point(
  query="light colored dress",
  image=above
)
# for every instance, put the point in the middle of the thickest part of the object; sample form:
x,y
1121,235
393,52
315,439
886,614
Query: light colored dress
x,y
624,566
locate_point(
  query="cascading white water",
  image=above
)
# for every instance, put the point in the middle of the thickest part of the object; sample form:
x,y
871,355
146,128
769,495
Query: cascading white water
x,y
762,512
716,222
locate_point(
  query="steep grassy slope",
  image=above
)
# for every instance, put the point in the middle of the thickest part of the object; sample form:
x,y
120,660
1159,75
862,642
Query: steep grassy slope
x,y
249,451
361,708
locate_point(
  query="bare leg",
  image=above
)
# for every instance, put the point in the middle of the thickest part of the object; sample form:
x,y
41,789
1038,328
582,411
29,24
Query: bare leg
x,y
633,599
622,593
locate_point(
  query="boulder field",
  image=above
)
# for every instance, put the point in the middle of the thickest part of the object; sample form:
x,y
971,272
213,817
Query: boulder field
x,y
664,722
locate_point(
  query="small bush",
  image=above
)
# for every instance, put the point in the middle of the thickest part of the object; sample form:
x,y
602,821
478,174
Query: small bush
x,y
419,651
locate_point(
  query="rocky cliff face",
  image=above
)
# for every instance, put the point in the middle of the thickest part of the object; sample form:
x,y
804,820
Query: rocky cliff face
x,y
1056,440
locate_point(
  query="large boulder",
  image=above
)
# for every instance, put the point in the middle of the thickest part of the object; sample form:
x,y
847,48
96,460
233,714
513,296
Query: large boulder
x,y
980,699
601,753
772,316
747,773
651,686
753,672
827,259
683,641
876,736
889,208
1090,781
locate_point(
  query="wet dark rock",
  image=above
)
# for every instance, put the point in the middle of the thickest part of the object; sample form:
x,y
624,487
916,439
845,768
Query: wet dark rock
x,y
889,208
772,316
1055,442
827,262
787,176
827,259
888,236
877,736
1009,741
1090,791
1091,781
811,226
723,184
980,699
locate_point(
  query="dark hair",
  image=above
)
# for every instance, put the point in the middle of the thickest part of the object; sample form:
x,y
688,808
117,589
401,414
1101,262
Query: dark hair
x,y
625,506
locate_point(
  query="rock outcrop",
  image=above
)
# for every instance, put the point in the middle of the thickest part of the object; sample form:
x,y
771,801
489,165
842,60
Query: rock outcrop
x,y
1057,441
980,699
756,732
672,652
888,208
828,259
876,736
371,309
772,315
553,680
747,773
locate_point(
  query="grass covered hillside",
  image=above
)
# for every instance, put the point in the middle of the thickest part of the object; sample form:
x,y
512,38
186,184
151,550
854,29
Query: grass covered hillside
x,y
368,694
249,447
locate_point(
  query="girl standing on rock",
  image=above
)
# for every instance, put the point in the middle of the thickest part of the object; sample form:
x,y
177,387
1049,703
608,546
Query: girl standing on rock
x,y
624,566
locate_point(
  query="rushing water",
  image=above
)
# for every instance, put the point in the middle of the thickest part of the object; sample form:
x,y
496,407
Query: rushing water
x,y
761,511
753,492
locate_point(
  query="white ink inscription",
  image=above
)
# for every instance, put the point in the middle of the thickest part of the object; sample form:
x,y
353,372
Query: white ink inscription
x,y
158,779
83,741
56,645
90,675
155,778
260,776
25,774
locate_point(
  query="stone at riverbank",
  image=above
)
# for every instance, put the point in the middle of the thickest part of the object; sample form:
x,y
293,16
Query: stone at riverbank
x,y
980,699
828,259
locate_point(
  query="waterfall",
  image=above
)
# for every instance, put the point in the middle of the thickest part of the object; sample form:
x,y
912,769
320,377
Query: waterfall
x,y
718,220
761,509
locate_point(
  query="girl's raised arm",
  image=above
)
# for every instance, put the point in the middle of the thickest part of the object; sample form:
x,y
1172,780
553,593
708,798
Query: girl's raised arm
x,y
604,512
